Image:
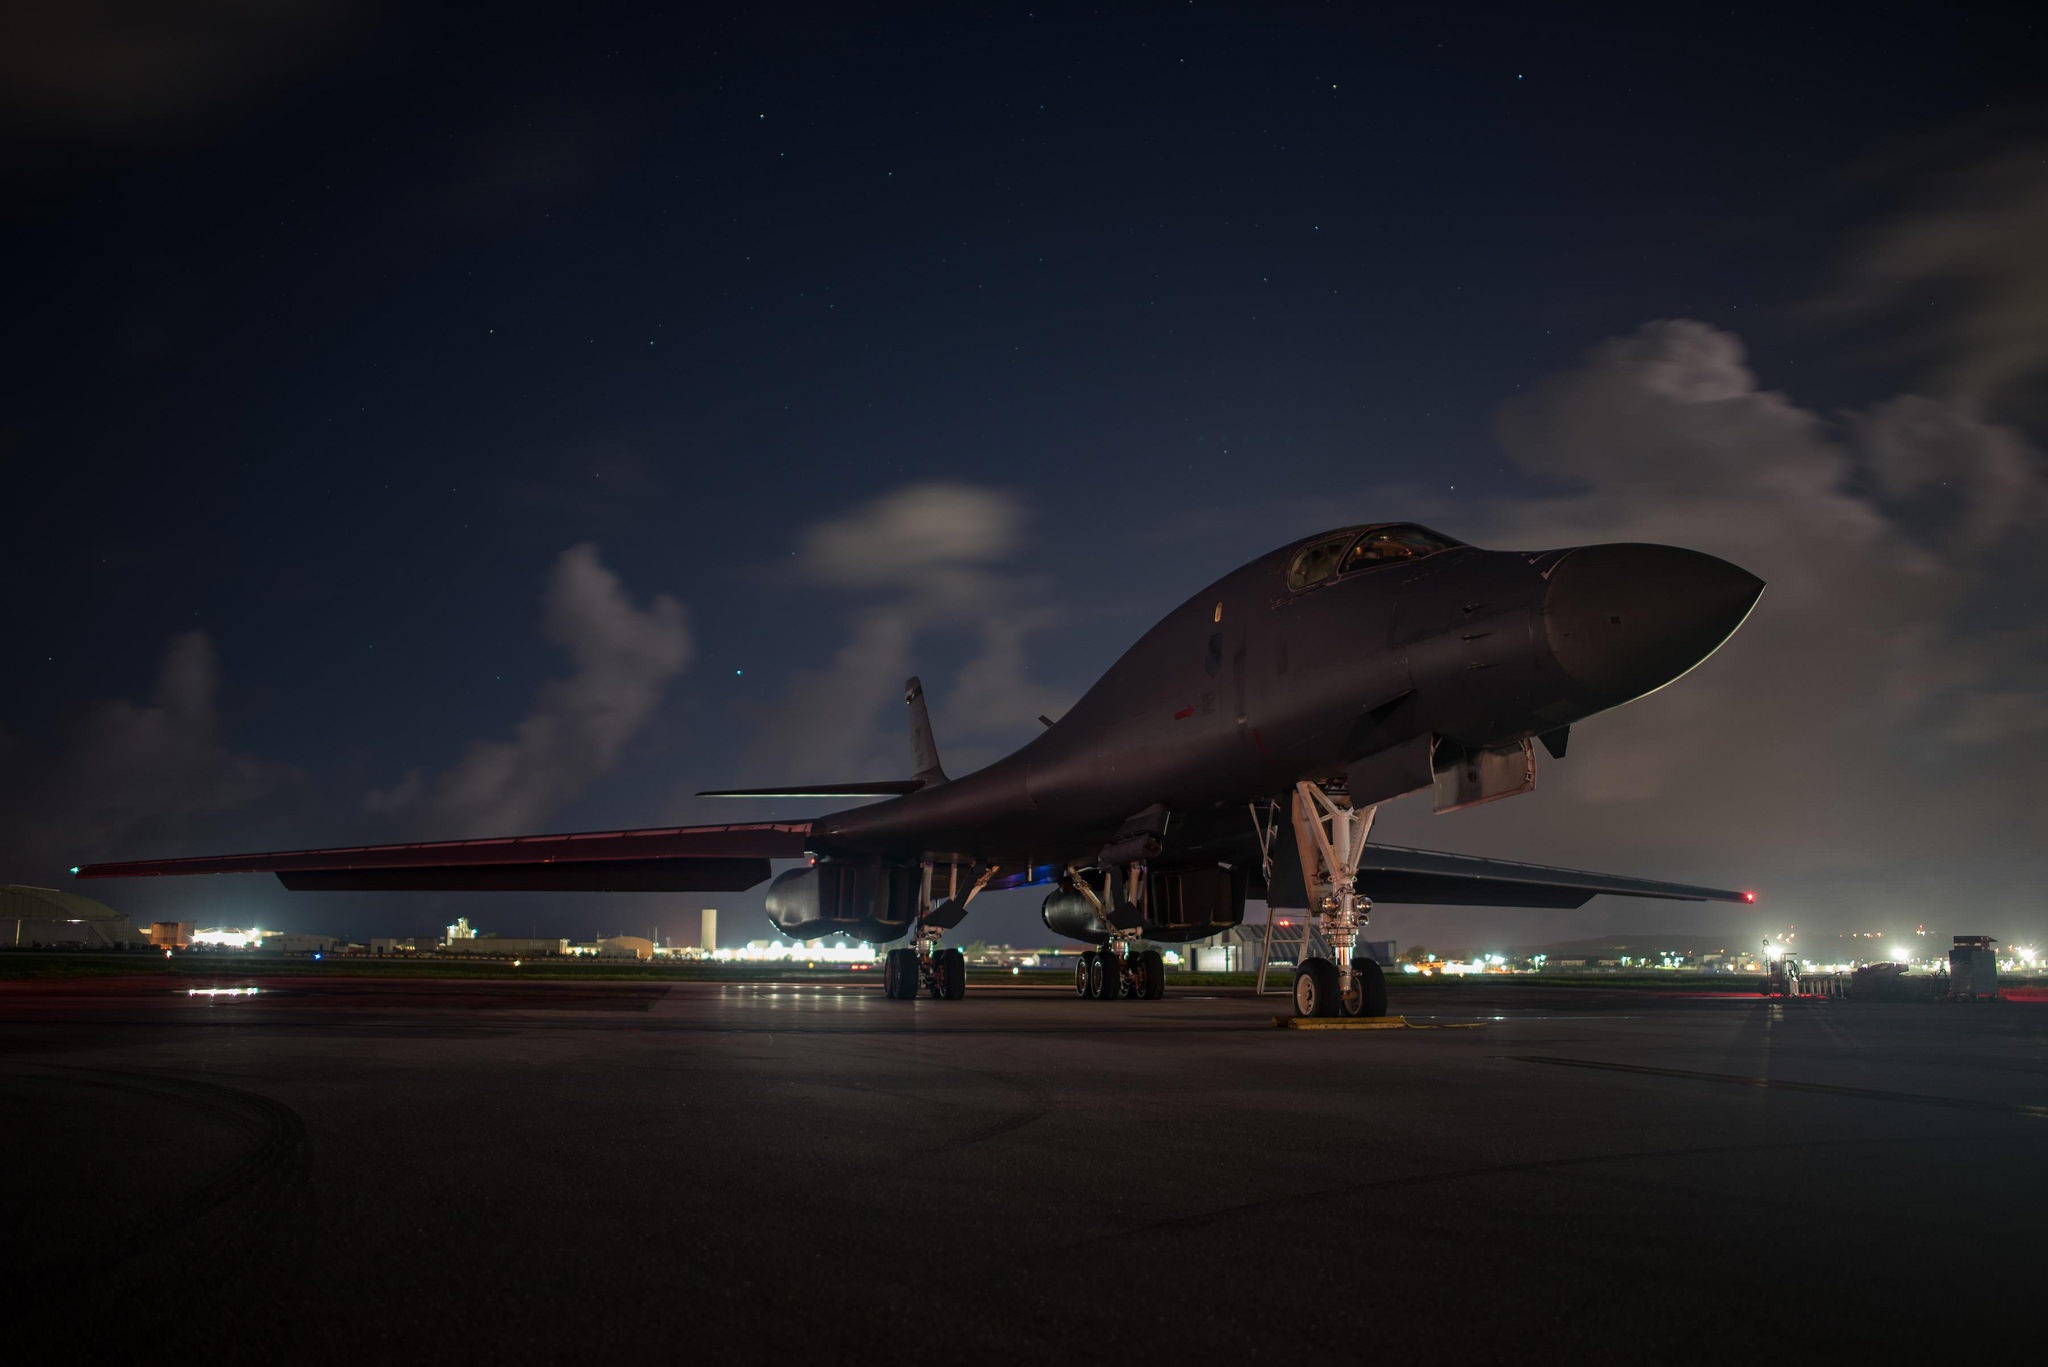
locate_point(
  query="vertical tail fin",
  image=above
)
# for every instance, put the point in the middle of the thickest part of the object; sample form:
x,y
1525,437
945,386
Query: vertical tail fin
x,y
924,751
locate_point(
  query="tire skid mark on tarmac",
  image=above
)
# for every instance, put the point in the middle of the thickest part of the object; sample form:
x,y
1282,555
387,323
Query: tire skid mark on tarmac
x,y
277,1157
1037,1104
1954,1103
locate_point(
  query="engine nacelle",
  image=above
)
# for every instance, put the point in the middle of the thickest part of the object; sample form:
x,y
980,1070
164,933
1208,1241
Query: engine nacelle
x,y
863,898
1072,915
1180,905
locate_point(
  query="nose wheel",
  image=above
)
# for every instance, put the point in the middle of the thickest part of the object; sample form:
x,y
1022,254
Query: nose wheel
x,y
1330,835
1320,990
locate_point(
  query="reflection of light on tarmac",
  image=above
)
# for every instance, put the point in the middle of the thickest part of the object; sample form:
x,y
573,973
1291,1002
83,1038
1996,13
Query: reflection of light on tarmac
x,y
221,991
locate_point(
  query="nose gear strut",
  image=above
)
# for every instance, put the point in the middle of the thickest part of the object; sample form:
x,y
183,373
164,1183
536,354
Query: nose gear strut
x,y
1330,834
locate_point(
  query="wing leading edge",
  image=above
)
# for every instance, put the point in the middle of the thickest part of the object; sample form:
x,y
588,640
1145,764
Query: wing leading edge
x,y
1397,874
664,859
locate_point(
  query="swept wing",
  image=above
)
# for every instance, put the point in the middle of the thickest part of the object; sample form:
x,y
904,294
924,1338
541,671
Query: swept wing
x,y
1397,874
660,859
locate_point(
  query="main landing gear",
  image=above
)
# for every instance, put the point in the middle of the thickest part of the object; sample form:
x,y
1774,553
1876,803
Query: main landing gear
x,y
1331,834
1119,969
941,972
1113,973
926,966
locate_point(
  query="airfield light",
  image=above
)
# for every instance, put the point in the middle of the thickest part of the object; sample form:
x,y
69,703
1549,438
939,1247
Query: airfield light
x,y
1899,956
74,868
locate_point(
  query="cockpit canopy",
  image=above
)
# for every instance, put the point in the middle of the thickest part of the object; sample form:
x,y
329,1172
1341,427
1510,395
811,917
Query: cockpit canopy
x,y
1358,548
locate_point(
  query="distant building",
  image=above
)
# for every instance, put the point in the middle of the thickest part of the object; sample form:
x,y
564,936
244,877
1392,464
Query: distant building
x,y
172,934
34,917
1237,949
290,942
625,947
707,935
504,947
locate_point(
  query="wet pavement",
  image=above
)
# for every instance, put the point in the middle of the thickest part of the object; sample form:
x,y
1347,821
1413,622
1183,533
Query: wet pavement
x,y
337,1168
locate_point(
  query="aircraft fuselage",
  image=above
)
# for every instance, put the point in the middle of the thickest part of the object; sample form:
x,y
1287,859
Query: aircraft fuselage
x,y
1256,683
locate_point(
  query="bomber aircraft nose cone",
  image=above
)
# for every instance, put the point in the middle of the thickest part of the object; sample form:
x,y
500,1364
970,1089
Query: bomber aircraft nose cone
x,y
1626,619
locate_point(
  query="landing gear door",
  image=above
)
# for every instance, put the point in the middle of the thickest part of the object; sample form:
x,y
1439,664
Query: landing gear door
x,y
1465,778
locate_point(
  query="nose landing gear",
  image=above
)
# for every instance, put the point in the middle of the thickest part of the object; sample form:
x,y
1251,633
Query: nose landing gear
x,y
1330,834
1320,991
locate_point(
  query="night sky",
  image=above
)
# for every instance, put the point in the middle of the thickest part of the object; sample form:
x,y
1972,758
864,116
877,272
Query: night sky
x,y
423,423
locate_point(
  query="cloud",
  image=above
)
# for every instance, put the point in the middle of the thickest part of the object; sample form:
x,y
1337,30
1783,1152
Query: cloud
x,y
130,70
1943,461
1966,261
134,776
925,538
1862,714
924,561
577,727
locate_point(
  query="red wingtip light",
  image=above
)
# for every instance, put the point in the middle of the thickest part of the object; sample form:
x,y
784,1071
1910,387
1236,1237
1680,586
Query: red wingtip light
x,y
1749,897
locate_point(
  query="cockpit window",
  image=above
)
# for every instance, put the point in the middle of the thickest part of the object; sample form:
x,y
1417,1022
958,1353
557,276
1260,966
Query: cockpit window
x,y
1404,542
1317,561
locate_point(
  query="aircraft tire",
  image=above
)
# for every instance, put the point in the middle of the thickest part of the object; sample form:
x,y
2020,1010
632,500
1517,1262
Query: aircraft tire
x,y
1102,978
1368,990
1315,988
1153,975
1084,968
899,975
951,975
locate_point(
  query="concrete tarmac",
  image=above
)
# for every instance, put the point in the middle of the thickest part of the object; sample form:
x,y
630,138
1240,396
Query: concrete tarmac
x,y
348,1169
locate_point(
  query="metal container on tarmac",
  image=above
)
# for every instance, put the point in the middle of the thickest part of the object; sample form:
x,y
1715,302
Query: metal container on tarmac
x,y
1973,969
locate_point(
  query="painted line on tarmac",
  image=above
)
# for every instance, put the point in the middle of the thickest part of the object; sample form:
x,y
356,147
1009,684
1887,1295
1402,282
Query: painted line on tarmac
x,y
1957,1103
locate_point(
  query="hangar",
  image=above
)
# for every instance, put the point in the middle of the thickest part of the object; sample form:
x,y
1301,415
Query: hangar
x,y
37,918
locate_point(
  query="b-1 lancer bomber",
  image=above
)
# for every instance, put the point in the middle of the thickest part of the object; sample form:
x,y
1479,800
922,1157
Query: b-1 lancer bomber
x,y
1316,682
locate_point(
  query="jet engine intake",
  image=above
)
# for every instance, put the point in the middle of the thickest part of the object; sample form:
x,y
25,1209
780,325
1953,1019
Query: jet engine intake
x,y
864,898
